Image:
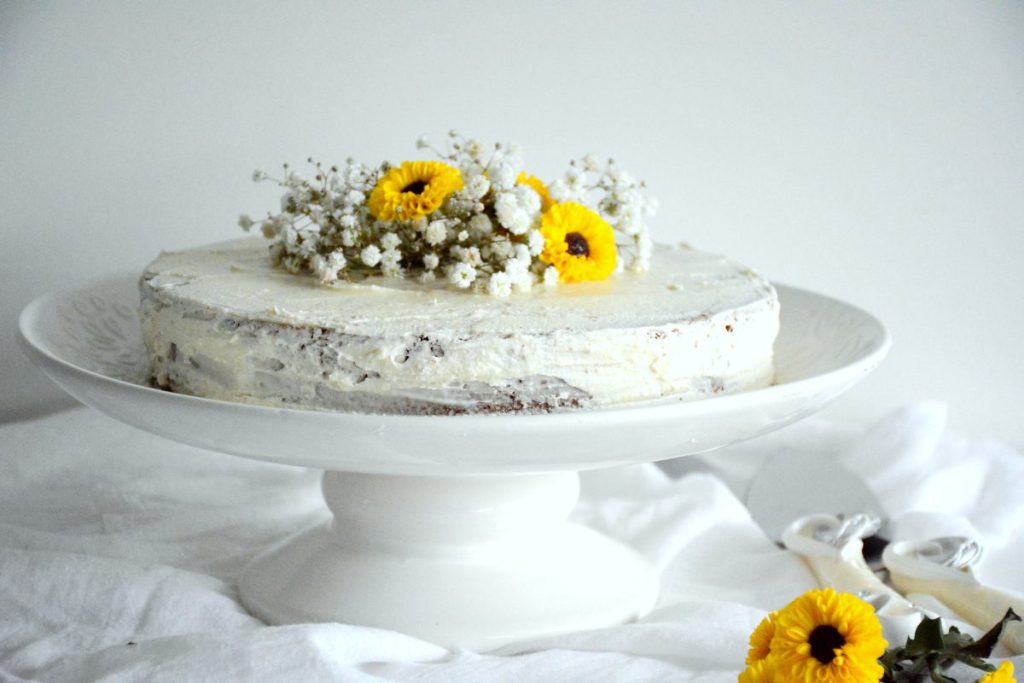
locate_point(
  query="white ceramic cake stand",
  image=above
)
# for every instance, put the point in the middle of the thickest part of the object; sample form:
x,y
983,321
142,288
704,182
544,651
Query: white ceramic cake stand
x,y
452,529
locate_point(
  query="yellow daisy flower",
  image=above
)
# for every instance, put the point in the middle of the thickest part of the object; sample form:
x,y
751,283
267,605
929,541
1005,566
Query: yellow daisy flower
x,y
761,639
413,189
828,637
761,671
577,242
1004,674
546,202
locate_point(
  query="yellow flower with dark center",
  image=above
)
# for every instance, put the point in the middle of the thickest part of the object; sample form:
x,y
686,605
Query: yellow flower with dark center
x,y
828,637
577,242
761,671
413,189
546,202
1004,674
761,639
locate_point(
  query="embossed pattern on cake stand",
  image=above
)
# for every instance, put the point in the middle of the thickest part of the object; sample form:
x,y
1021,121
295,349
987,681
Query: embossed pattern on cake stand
x,y
452,529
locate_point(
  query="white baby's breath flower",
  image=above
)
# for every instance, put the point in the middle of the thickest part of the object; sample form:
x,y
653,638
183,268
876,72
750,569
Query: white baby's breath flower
x,y
535,242
347,221
390,240
528,198
269,229
462,236
259,175
462,275
348,238
505,206
419,224
502,249
370,255
336,261
245,222
422,142
520,223
501,174
471,255
437,232
522,281
480,224
499,284
591,163
550,276
427,276
390,258
477,186
521,252
354,198
474,148
430,261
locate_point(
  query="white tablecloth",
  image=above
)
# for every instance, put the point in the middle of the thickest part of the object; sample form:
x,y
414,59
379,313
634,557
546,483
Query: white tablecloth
x,y
119,551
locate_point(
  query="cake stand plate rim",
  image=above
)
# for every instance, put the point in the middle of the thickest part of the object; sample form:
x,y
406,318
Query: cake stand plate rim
x,y
772,406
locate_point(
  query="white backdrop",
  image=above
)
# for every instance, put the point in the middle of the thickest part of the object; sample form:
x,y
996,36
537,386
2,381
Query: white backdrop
x,y
872,151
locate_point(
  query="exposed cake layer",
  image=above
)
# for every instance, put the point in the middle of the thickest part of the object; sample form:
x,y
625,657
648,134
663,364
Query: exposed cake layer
x,y
222,322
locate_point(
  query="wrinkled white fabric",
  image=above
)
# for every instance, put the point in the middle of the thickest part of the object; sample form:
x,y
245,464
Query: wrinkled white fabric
x,y
119,551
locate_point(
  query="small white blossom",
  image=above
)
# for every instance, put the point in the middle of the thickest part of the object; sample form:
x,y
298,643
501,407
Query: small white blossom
x,y
520,223
528,198
427,276
477,187
430,261
471,255
259,175
370,256
348,238
347,221
354,197
437,232
462,236
501,174
462,275
269,229
591,163
499,284
390,241
550,276
502,249
390,258
535,242
521,252
474,148
419,224
481,224
244,222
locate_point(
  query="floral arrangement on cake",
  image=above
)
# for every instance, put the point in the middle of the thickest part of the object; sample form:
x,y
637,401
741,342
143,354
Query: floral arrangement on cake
x,y
474,217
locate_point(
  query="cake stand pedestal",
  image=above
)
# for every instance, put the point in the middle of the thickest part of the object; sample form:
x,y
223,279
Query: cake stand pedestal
x,y
469,562
450,528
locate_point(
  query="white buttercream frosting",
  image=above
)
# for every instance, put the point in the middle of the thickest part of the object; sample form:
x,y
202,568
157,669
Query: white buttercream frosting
x,y
222,321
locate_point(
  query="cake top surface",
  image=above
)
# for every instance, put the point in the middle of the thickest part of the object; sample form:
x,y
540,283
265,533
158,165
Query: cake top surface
x,y
239,277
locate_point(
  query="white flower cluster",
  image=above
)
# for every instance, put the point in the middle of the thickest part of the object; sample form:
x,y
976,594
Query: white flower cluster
x,y
485,237
621,202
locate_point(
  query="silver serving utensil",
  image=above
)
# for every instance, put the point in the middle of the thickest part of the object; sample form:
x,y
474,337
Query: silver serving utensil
x,y
792,485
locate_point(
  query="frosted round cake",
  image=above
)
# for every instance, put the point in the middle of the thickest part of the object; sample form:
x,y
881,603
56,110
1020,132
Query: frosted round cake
x,y
223,322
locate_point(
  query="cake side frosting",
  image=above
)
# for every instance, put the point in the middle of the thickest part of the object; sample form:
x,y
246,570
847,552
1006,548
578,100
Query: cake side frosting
x,y
222,322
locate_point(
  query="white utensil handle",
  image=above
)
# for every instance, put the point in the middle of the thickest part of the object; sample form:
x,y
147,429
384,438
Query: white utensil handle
x,y
979,605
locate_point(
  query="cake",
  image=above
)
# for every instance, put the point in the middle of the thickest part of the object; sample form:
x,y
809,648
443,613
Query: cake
x,y
460,285
225,322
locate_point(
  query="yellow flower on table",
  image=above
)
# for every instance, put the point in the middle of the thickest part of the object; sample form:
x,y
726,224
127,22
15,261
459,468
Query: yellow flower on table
x,y
577,242
828,637
546,202
761,671
413,189
761,639
1004,674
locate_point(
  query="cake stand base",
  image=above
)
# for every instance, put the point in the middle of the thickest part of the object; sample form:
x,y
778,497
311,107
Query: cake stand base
x,y
464,562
